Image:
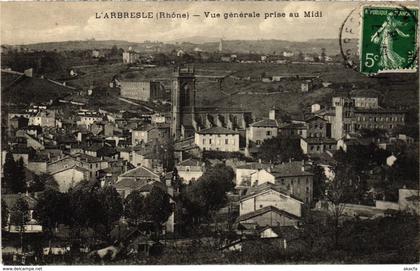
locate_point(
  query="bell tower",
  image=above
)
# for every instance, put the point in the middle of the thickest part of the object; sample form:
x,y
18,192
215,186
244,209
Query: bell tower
x,y
183,102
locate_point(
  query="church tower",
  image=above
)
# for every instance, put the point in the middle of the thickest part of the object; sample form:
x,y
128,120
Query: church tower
x,y
183,102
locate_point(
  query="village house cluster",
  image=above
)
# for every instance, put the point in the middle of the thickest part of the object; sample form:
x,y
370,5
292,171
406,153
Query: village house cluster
x,y
71,142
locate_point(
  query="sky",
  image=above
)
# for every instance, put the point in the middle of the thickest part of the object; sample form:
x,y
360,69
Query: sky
x,y
33,22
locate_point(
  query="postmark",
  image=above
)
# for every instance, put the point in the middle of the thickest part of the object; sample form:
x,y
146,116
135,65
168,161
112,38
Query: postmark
x,y
388,39
380,39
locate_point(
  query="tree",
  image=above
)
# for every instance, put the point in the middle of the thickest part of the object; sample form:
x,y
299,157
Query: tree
x,y
19,216
4,213
52,209
19,184
134,207
345,188
280,149
319,183
38,183
9,171
208,194
157,207
112,205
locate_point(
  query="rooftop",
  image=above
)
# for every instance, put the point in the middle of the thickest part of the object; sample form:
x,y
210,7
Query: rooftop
x,y
265,123
263,211
140,172
217,131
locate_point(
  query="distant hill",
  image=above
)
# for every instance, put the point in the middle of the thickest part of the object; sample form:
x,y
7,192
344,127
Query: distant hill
x,y
205,44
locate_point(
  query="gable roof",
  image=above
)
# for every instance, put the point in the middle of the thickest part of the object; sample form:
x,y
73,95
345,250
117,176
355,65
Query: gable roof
x,y
75,167
263,211
218,131
254,165
11,199
190,162
265,123
264,188
311,118
140,172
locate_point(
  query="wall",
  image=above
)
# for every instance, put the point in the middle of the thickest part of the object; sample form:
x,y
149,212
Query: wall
x,y
243,174
68,178
136,90
270,198
262,176
38,167
259,134
217,142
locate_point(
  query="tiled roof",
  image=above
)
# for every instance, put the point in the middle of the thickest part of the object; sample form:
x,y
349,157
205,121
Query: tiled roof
x,y
75,167
190,162
217,130
263,211
140,172
265,123
254,165
11,199
253,191
319,140
293,168
313,118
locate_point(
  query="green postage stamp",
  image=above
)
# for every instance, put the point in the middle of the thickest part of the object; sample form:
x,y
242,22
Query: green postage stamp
x,y
388,39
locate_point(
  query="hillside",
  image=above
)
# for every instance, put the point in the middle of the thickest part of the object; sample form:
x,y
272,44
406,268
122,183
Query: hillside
x,y
237,46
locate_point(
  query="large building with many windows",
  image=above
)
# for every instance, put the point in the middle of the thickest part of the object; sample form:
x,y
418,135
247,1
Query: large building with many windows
x,y
217,139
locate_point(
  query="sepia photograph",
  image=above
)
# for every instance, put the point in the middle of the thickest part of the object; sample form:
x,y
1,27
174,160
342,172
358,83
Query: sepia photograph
x,y
209,133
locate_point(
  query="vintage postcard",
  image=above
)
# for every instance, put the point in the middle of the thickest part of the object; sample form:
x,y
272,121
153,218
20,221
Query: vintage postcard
x,y
190,133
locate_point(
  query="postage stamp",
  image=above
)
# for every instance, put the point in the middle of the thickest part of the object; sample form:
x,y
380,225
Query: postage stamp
x,y
388,39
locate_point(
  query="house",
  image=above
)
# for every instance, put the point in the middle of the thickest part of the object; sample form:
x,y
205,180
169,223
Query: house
x,y
135,179
130,57
86,119
32,226
44,118
142,90
150,133
293,129
318,127
243,173
69,177
316,145
291,177
390,160
261,130
217,139
190,170
269,195
91,163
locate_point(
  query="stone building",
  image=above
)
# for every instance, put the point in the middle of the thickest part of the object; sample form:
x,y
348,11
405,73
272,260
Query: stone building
x,y
142,90
187,118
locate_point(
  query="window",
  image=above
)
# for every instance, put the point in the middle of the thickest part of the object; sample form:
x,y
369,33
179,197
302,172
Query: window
x,y
268,133
282,181
204,141
210,141
312,148
226,141
318,148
